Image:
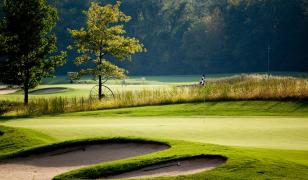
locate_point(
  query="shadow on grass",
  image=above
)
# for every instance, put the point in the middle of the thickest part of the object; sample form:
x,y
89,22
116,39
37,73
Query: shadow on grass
x,y
7,118
80,142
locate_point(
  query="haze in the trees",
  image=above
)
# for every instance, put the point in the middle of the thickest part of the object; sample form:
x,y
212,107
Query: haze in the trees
x,y
27,46
102,41
212,36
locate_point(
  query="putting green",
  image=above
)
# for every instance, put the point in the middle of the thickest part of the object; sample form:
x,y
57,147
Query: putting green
x,y
264,140
262,132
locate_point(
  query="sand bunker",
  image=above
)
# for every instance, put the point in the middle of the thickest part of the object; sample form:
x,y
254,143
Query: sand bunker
x,y
48,165
48,90
8,91
175,168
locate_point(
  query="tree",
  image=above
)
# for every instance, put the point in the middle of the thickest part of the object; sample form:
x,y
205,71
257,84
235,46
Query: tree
x,y
104,38
72,76
28,48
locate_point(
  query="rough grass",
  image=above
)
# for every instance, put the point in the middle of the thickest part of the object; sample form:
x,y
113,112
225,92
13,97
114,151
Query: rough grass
x,y
7,106
238,88
258,87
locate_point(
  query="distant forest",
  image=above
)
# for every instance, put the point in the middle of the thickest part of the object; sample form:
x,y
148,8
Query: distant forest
x,y
205,36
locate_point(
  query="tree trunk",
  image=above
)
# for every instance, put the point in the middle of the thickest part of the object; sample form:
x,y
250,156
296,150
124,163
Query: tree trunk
x,y
100,87
26,99
26,91
26,87
100,94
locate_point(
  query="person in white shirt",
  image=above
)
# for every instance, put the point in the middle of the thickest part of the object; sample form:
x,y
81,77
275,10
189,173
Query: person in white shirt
x,y
202,82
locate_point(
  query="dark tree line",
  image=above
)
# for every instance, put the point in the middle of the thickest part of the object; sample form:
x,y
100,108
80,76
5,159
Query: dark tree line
x,y
189,37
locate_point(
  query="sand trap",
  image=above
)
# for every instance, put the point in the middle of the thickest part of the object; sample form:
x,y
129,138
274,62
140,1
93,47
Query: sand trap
x,y
175,168
48,165
8,91
48,90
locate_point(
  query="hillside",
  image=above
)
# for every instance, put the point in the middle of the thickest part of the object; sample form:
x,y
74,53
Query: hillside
x,y
206,36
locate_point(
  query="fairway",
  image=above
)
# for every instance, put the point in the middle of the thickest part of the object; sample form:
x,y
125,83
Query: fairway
x,y
76,90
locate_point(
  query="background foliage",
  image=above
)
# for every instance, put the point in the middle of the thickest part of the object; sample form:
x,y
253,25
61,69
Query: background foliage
x,y
196,36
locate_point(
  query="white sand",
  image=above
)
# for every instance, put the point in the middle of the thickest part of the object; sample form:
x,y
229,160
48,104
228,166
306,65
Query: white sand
x,y
48,165
8,91
175,168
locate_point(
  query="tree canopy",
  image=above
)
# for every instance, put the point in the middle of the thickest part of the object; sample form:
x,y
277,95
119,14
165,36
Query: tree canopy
x,y
27,45
102,41
196,36
189,37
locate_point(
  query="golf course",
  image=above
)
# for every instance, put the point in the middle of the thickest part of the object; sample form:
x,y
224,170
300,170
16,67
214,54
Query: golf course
x,y
162,90
254,139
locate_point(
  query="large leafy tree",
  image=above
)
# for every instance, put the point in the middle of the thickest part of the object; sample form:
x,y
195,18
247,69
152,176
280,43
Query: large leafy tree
x,y
28,49
103,41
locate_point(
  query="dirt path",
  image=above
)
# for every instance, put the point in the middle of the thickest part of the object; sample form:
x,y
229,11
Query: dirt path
x,y
48,165
175,168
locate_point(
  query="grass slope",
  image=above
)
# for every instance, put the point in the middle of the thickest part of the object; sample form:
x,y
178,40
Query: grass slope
x,y
243,163
13,140
228,108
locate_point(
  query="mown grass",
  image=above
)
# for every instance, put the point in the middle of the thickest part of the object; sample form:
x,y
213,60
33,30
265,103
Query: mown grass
x,y
267,147
133,80
220,108
275,132
13,139
242,163
44,147
239,88
277,145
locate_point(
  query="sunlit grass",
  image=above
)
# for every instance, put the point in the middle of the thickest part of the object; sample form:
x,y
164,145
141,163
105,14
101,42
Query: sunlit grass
x,y
243,163
247,87
262,132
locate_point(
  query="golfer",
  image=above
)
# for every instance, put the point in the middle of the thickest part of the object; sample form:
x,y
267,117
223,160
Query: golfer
x,y
202,82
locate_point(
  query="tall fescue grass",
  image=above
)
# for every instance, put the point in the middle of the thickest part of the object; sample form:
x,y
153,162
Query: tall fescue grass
x,y
245,87
6,106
